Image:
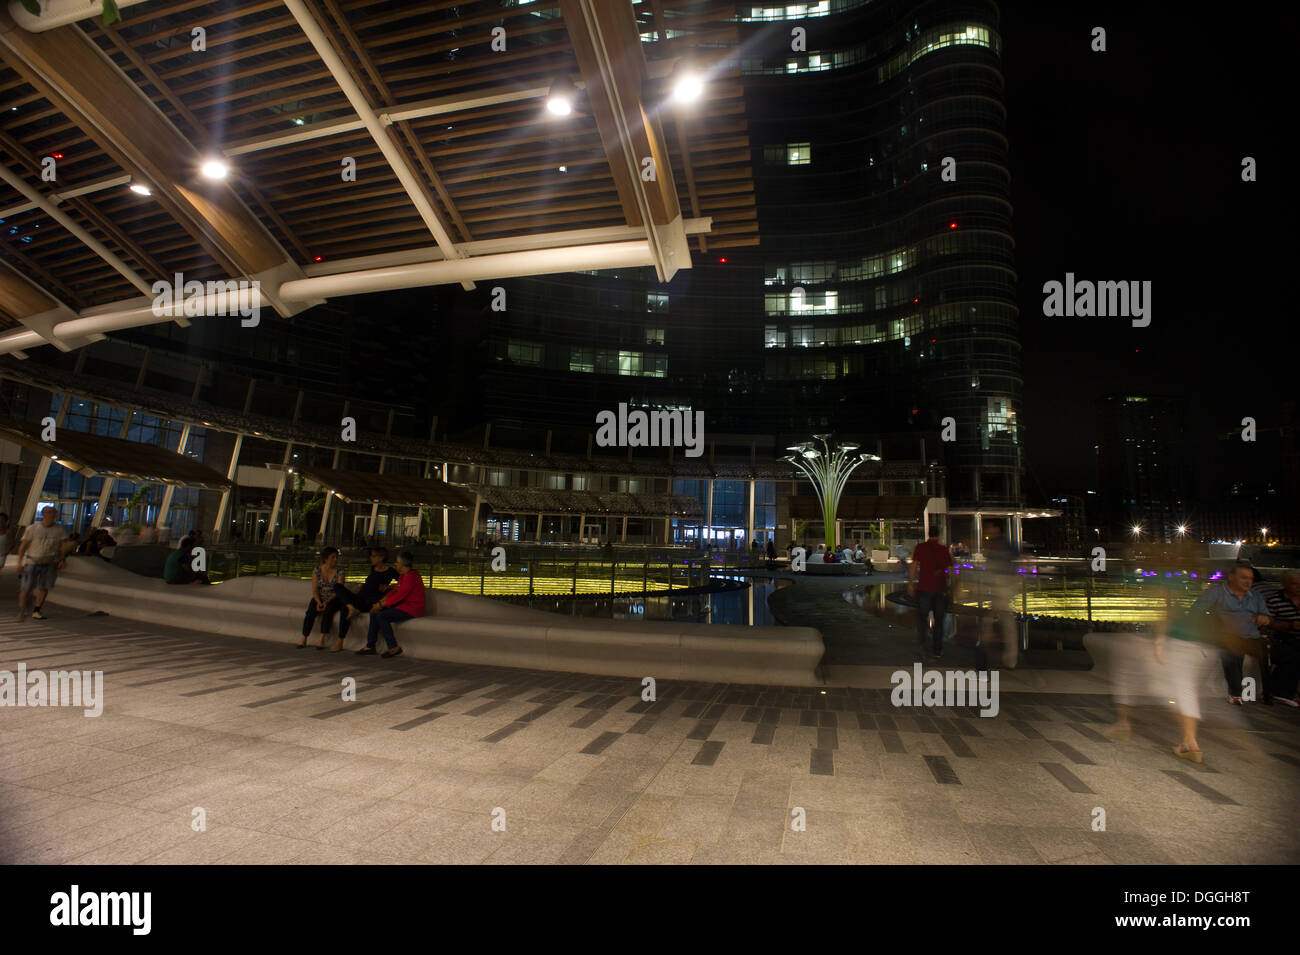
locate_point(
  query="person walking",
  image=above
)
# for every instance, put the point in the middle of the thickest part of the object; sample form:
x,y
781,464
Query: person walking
x,y
928,583
40,558
404,602
999,561
325,603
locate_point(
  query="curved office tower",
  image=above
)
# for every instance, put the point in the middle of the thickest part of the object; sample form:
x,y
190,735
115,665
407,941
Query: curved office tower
x,y
883,196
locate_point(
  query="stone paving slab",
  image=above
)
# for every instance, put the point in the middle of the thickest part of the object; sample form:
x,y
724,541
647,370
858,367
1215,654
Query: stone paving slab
x,y
431,758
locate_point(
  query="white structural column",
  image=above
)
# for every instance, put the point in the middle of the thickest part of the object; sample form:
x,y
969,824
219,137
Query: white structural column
x,y
43,468
374,505
979,533
446,518
273,526
219,527
623,537
165,509
383,460
473,522
708,514
110,482
749,517
539,527
329,494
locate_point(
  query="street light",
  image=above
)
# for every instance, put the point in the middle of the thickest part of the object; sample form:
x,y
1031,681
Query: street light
x,y
828,470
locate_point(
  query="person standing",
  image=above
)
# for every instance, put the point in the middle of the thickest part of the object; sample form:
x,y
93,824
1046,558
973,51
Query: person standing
x,y
1284,609
404,602
40,558
928,582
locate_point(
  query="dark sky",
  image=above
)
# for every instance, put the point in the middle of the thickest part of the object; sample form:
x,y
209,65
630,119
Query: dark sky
x,y
1126,165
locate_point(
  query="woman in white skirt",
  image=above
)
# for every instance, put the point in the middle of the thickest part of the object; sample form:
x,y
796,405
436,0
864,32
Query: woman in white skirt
x,y
1192,653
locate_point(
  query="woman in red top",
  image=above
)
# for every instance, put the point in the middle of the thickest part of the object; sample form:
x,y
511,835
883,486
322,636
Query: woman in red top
x,y
405,601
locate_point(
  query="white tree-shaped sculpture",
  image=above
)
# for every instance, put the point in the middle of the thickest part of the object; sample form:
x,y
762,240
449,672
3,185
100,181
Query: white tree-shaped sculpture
x,y
829,471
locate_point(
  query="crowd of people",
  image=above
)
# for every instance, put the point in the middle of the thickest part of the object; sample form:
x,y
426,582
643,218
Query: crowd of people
x,y
844,554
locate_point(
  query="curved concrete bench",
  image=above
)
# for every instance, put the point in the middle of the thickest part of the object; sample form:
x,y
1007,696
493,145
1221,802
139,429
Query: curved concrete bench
x,y
460,628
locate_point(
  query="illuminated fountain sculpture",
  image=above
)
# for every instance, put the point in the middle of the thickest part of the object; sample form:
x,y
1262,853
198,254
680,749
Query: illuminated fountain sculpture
x,y
829,471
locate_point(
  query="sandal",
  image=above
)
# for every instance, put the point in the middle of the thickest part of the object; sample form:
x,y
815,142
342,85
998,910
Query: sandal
x,y
303,644
366,651
1183,752
395,652
1122,733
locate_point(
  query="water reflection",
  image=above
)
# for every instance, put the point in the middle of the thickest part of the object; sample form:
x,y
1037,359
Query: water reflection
x,y
745,603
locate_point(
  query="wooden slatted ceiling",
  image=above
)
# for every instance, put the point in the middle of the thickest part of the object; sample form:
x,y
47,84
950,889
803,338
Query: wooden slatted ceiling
x,y
491,171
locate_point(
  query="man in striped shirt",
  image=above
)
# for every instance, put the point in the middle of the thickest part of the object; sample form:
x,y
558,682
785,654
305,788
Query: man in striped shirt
x,y
1284,609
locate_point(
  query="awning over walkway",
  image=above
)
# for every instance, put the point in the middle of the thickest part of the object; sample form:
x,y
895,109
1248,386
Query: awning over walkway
x,y
889,507
97,456
513,500
367,487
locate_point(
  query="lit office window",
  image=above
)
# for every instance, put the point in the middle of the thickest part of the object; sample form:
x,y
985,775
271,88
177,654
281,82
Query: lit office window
x,y
525,353
798,154
654,336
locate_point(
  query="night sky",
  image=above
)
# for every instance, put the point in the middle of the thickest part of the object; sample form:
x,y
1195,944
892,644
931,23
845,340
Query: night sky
x,y
1126,165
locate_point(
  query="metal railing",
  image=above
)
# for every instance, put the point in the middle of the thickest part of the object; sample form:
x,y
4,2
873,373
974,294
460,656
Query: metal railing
x,y
523,571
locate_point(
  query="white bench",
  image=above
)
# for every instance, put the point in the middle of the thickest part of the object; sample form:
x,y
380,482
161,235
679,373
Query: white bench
x,y
462,629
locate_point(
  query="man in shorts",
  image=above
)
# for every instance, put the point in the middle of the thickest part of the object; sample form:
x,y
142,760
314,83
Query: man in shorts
x,y
40,558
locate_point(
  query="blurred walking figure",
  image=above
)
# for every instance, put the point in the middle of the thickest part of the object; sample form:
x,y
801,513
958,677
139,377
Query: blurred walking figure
x,y
928,582
6,539
999,560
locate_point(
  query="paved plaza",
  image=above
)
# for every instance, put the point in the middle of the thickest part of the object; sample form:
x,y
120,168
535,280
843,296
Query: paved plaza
x,y
258,737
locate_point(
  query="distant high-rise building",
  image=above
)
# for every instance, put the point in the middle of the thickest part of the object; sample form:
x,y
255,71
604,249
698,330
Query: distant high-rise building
x,y
879,295
1143,467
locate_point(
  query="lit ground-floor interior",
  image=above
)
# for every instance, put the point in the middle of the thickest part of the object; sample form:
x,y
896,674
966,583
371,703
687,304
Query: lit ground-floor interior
x,y
419,767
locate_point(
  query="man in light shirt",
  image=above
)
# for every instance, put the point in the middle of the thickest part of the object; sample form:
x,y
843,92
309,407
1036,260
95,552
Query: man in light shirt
x,y
40,558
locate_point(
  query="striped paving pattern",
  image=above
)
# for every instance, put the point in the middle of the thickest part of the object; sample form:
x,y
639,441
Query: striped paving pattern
x,y
260,738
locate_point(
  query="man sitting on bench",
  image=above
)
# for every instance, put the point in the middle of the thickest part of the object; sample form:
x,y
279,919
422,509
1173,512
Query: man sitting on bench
x,y
382,578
